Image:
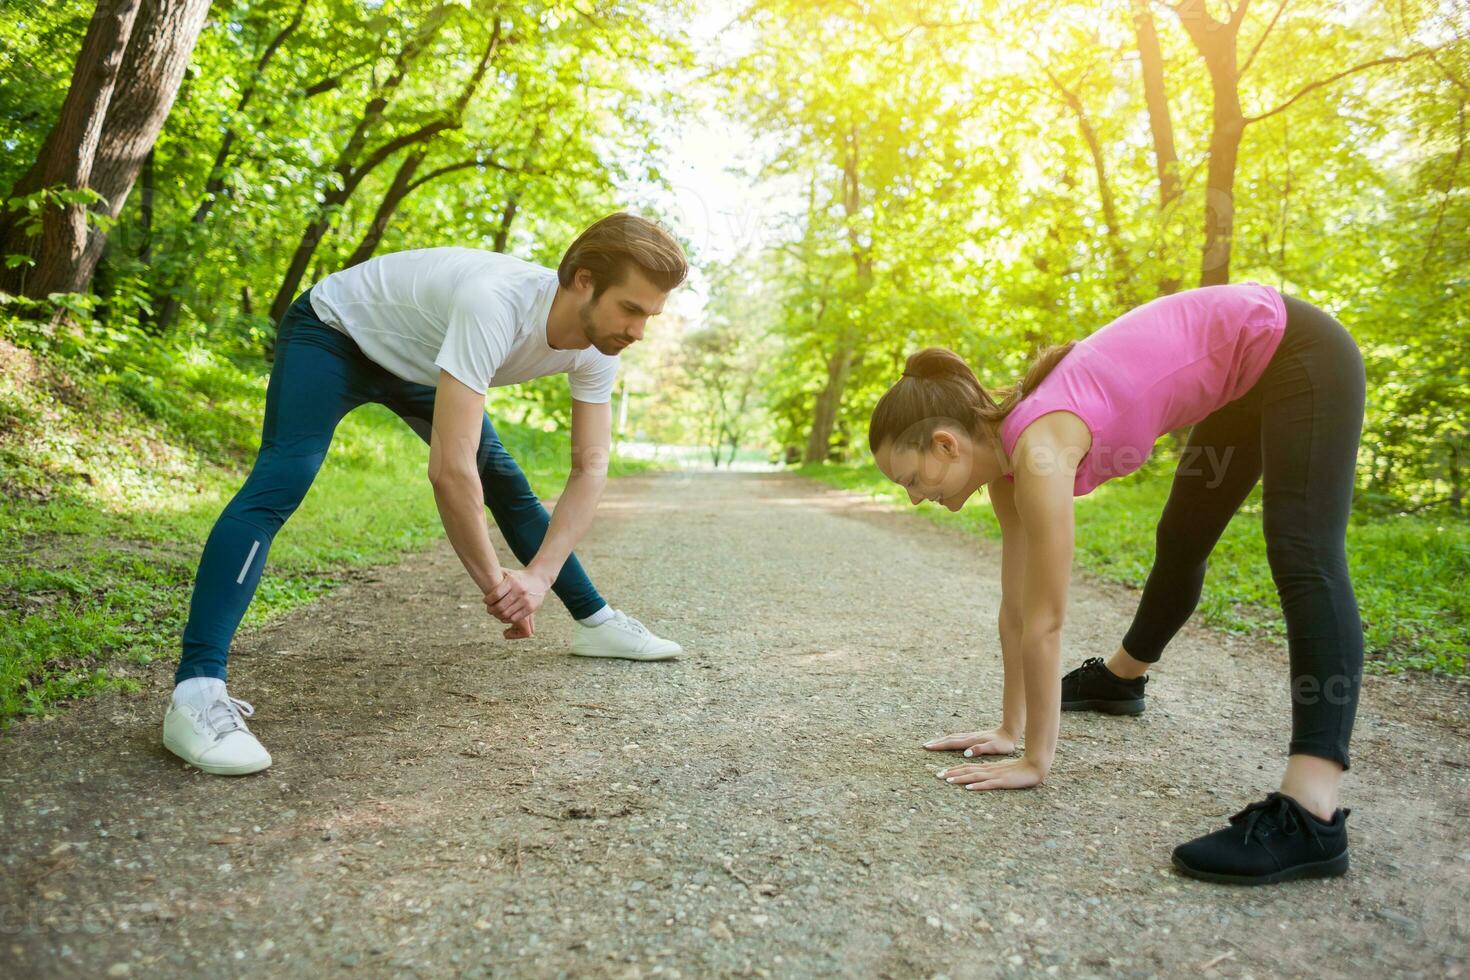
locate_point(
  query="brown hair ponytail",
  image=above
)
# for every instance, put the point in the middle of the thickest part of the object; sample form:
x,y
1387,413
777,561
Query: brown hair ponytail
x,y
938,387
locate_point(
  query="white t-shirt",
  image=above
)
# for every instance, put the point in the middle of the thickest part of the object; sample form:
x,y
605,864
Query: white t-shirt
x,y
479,315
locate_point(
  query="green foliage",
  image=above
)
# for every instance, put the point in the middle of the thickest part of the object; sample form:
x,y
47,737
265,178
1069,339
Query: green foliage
x,y
951,197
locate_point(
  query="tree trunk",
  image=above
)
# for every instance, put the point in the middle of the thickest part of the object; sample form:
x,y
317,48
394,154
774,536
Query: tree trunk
x,y
165,311
829,401
214,184
145,210
513,199
839,365
162,43
397,191
1160,121
1160,126
1216,44
347,159
403,185
1117,253
301,258
507,215
1227,125
68,157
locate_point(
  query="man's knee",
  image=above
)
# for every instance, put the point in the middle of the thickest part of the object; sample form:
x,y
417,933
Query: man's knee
x,y
276,486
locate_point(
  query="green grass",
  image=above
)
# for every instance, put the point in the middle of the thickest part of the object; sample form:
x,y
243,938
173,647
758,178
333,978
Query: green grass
x,y
1409,572
111,478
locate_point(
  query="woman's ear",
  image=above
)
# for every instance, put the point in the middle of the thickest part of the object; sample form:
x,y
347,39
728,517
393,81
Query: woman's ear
x,y
945,445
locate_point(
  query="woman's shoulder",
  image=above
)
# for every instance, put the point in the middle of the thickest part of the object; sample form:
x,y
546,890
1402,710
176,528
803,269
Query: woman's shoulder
x,y
1053,444
1059,426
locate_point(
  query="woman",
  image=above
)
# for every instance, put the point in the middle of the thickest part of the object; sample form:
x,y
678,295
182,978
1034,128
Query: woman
x,y
1274,390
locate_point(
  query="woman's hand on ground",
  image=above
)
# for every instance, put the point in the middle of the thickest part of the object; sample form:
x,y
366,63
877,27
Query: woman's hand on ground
x,y
517,597
1019,773
994,742
521,629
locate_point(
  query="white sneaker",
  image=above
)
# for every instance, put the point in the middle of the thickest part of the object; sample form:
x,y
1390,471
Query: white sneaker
x,y
624,637
214,739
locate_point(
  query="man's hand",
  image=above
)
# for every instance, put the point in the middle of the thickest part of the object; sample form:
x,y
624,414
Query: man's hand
x,y
517,597
521,629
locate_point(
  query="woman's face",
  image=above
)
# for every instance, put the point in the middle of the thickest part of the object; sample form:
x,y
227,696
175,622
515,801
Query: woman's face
x,y
948,472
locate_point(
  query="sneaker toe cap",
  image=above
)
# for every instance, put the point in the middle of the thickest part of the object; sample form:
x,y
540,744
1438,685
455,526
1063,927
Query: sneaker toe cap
x,y
1224,853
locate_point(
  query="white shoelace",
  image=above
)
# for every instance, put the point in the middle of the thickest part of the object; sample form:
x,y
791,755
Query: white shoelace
x,y
225,716
631,623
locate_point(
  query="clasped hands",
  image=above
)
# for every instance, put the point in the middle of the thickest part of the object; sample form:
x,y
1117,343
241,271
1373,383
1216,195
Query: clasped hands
x,y
515,599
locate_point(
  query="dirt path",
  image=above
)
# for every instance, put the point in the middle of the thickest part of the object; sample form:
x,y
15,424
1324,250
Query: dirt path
x,y
444,803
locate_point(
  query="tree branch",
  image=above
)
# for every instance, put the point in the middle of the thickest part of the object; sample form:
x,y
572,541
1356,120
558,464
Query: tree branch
x,y
1195,18
425,132
451,168
1245,67
1307,89
1444,203
468,94
324,85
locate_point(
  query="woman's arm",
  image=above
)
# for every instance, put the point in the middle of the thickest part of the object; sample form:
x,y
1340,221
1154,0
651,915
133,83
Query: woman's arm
x,y
1045,464
1044,502
1002,740
1011,618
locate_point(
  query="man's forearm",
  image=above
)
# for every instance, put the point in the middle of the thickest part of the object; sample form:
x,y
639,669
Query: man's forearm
x,y
570,519
461,503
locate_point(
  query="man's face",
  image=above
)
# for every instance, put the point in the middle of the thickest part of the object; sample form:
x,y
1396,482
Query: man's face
x,y
618,317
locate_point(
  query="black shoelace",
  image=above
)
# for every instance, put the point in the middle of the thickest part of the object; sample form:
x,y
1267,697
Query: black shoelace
x,y
1090,665
1275,810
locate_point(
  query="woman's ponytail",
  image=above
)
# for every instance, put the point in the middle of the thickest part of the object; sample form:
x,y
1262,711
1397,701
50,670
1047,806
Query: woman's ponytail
x,y
938,387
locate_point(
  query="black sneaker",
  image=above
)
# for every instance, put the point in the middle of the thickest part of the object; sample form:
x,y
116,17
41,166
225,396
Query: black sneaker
x,y
1092,687
1270,841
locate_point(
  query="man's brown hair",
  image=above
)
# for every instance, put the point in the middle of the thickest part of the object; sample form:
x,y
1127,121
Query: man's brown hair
x,y
606,249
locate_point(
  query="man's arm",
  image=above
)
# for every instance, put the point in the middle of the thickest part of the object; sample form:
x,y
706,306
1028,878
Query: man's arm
x,y
577,505
523,592
459,413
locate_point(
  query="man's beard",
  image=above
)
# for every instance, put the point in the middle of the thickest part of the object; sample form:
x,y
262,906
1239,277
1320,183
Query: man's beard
x,y
589,330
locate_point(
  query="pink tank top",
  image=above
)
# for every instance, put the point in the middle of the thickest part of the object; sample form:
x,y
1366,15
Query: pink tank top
x,y
1163,366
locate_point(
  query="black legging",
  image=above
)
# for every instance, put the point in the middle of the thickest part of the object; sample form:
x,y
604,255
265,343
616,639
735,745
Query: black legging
x,y
1299,425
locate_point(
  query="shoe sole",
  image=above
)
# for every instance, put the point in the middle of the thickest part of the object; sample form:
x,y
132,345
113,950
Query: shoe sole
x,y
213,770
1106,707
641,657
1317,869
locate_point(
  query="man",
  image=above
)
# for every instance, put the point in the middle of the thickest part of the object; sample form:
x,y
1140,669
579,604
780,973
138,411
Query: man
x,y
426,332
